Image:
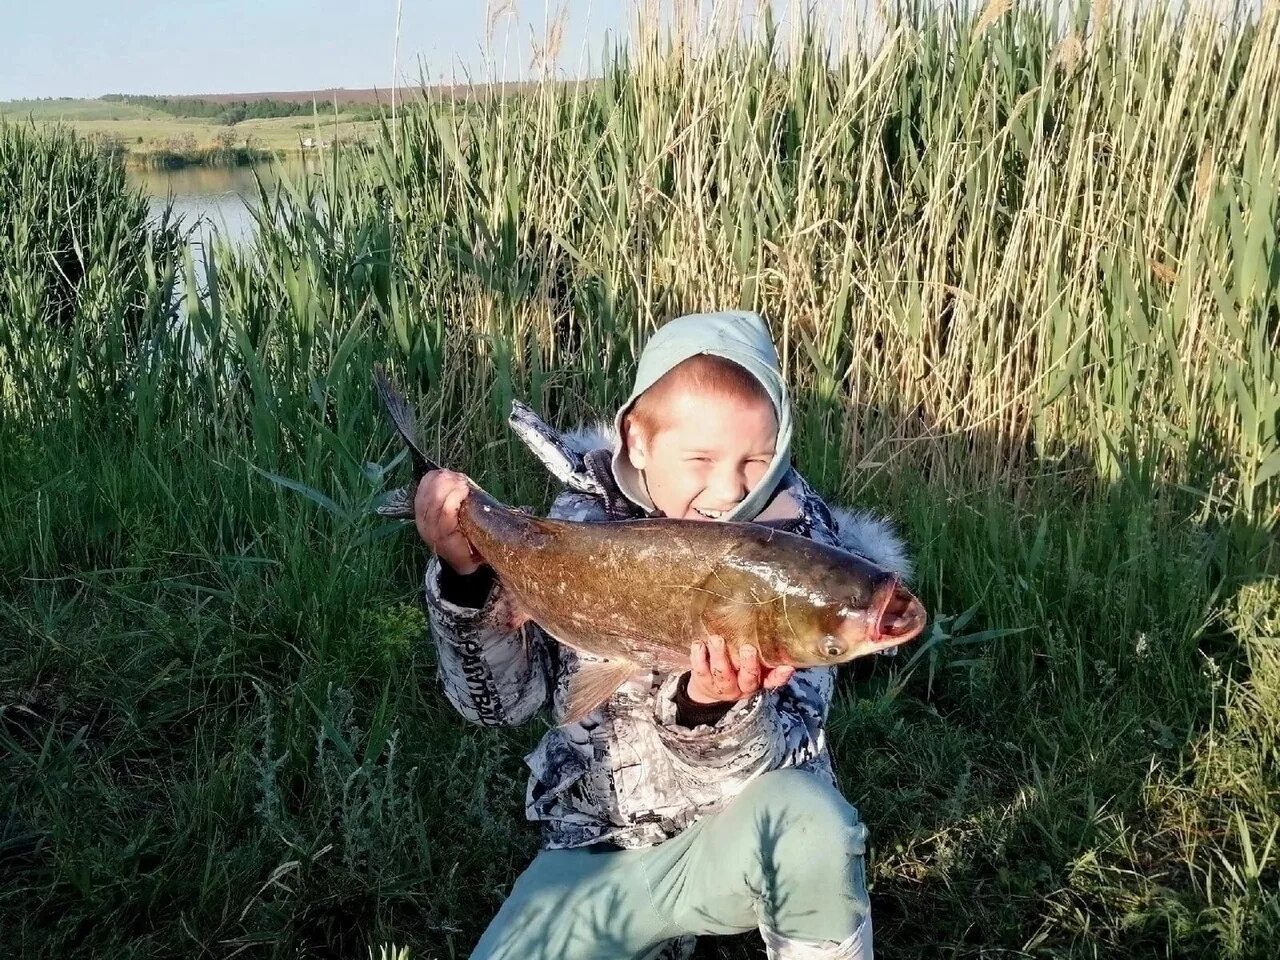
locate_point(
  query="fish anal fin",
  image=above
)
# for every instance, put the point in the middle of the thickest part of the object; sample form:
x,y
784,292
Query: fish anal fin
x,y
398,504
594,682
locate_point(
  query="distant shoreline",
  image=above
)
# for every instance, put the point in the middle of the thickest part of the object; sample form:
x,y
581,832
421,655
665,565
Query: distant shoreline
x,y
201,157
165,159
145,138
358,96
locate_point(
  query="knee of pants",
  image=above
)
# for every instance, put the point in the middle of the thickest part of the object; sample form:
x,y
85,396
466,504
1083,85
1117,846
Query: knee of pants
x,y
803,825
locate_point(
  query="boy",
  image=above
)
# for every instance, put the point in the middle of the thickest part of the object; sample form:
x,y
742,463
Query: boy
x,y
699,803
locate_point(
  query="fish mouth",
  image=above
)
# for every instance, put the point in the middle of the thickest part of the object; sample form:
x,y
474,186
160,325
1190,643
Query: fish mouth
x,y
897,615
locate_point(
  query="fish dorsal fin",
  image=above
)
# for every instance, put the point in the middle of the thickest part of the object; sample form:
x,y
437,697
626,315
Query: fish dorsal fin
x,y
594,682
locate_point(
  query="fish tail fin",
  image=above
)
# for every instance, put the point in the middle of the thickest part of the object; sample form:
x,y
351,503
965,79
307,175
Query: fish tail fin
x,y
594,682
399,503
403,419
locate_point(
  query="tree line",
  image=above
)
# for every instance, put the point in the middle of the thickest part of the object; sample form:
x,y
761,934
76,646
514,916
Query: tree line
x,y
230,112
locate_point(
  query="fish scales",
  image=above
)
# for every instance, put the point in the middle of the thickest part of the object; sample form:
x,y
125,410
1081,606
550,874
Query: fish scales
x,y
589,587
643,589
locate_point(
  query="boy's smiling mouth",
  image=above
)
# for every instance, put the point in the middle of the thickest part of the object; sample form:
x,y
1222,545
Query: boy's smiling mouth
x,y
711,514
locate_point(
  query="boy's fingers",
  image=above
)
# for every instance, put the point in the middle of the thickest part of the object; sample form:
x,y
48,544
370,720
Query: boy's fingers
x,y
722,675
778,677
446,538
699,665
450,506
748,670
433,497
423,515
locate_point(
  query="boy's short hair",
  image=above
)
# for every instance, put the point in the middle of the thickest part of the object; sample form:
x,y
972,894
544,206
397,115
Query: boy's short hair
x,y
703,372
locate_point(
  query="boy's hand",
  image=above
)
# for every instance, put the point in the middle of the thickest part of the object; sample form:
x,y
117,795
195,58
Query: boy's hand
x,y
719,674
435,513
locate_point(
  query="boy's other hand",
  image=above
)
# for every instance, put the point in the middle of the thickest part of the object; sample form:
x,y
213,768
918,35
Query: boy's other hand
x,y
720,674
435,513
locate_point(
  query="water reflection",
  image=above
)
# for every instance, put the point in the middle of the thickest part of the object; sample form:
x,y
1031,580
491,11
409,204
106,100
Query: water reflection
x,y
213,198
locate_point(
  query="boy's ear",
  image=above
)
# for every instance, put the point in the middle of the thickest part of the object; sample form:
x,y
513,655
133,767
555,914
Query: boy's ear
x,y
637,447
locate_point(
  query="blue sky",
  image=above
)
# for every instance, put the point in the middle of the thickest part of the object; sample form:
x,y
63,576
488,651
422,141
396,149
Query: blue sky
x,y
85,48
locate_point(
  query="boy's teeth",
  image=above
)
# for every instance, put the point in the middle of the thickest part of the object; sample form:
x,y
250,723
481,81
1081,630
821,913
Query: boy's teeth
x,y
713,514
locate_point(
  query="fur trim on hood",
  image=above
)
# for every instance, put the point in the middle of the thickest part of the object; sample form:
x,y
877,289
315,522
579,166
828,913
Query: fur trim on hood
x,y
591,436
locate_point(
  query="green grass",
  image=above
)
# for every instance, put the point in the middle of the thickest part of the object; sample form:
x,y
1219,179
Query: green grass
x,y
1025,284
71,109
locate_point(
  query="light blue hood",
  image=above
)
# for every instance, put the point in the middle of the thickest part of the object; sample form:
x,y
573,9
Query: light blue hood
x,y
736,335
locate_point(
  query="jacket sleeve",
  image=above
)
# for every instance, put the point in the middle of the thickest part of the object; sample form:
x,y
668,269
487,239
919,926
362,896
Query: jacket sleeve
x,y
766,731
494,675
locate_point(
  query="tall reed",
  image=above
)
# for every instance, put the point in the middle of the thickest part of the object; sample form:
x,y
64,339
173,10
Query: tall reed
x,y
82,278
985,240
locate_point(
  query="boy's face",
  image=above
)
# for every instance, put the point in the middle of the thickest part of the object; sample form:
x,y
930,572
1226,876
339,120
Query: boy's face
x,y
707,453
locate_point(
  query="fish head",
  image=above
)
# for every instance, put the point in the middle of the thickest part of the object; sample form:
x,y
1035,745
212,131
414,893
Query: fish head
x,y
861,609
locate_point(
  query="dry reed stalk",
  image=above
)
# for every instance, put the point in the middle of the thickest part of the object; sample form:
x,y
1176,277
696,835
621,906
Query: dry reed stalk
x,y
993,11
1067,53
495,12
547,52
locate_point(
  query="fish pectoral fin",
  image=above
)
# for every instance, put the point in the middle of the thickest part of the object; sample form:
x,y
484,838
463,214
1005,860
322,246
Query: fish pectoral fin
x,y
731,617
594,682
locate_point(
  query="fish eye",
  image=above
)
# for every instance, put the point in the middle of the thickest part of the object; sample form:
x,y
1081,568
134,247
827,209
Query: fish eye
x,y
833,648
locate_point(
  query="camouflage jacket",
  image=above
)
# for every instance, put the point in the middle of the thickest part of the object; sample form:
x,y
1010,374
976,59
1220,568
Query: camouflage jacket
x,y
629,774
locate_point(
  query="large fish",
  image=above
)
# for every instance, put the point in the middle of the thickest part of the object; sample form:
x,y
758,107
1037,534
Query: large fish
x,y
638,593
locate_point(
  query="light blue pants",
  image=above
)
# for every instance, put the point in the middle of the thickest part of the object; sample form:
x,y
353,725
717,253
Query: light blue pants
x,y
786,858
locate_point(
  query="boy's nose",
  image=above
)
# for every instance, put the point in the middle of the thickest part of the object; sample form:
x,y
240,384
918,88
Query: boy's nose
x,y
728,487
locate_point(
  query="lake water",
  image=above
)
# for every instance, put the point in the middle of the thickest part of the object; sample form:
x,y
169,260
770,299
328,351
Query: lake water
x,y
218,198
